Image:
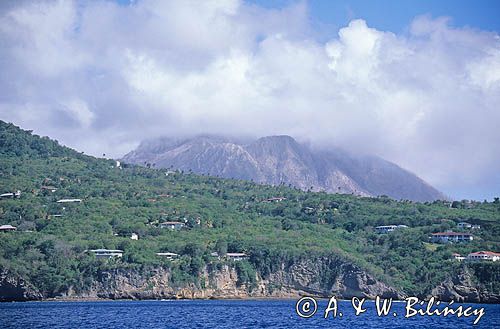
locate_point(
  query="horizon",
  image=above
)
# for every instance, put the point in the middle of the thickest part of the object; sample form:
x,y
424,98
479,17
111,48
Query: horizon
x,y
416,83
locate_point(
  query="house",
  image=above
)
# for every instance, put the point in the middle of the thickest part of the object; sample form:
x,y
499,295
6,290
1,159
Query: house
x,y
16,194
6,228
275,199
107,253
445,237
483,256
457,257
134,236
309,210
69,200
169,172
49,188
172,225
168,255
236,256
464,225
118,164
388,228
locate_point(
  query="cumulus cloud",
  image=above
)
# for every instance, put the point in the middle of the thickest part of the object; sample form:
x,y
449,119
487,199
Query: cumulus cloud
x,y
100,77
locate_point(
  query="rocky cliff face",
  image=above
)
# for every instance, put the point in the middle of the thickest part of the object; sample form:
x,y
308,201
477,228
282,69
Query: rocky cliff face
x,y
320,277
281,160
327,277
302,278
462,287
14,288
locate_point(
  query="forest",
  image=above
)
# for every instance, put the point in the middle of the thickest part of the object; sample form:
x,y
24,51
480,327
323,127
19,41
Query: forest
x,y
271,224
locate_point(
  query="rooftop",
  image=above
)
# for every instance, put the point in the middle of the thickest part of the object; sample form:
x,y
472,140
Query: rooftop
x,y
106,250
450,234
166,254
487,253
236,254
7,227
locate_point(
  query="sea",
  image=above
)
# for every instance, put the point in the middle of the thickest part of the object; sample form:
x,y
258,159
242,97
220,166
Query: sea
x,y
224,314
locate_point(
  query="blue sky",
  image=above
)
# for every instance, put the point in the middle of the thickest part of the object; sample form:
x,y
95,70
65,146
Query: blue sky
x,y
396,15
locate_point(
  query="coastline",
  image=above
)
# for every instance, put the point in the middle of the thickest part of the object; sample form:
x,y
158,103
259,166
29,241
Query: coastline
x,y
232,298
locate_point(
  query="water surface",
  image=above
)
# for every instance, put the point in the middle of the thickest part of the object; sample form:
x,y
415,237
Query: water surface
x,y
218,314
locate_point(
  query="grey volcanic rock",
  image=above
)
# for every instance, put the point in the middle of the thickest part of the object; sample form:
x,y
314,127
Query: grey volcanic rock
x,y
278,160
304,277
15,289
463,287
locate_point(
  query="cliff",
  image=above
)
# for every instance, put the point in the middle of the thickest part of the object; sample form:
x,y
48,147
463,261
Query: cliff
x,y
464,286
305,277
14,288
322,277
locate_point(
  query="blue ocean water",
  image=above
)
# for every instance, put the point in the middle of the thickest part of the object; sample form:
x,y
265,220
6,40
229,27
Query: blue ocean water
x,y
220,314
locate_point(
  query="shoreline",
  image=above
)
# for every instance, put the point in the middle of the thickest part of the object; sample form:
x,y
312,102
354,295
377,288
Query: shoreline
x,y
295,299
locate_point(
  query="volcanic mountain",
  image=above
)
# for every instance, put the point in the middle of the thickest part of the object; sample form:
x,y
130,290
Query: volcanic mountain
x,y
278,160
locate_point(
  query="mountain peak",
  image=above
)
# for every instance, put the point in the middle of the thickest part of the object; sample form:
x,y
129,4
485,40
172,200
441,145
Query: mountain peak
x,y
275,144
281,159
281,138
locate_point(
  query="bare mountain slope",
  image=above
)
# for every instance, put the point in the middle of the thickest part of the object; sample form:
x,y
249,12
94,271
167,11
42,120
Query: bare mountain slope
x,y
281,160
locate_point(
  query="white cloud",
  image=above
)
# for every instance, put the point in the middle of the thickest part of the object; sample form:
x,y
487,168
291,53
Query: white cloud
x,y
79,111
427,100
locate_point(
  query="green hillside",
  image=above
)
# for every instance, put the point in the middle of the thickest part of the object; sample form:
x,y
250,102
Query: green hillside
x,y
220,214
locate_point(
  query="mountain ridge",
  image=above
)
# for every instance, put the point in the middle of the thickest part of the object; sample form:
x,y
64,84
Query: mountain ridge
x,y
280,159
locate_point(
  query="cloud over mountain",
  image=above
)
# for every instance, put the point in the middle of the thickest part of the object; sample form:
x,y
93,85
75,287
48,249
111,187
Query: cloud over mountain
x,y
100,77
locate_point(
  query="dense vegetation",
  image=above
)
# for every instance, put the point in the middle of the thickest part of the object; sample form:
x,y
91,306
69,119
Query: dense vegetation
x,y
221,215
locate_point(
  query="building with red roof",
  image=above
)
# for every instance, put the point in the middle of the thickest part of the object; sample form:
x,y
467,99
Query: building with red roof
x,y
483,256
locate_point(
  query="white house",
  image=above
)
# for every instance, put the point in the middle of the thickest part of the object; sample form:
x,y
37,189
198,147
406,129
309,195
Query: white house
x,y
388,228
236,255
445,237
49,188
458,257
275,199
134,236
107,253
483,256
5,228
464,225
16,194
168,255
69,200
172,225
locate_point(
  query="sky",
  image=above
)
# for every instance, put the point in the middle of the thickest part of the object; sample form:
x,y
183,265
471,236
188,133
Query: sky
x,y
415,82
